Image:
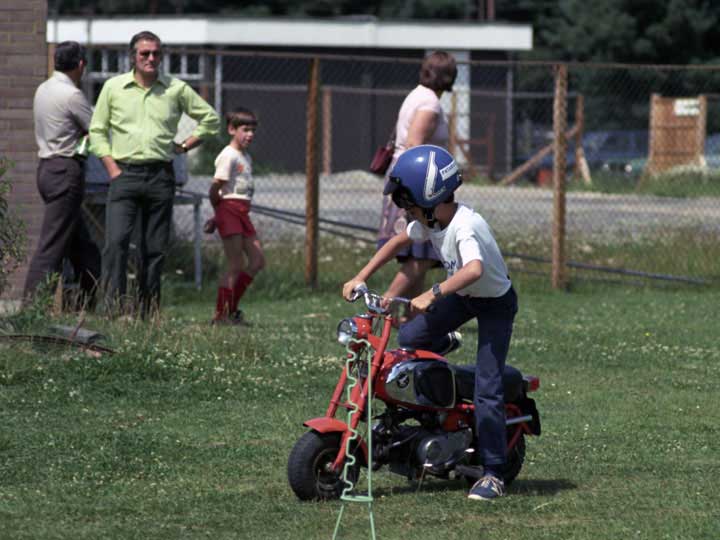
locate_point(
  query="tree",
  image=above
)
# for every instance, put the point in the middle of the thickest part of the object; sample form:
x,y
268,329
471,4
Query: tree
x,y
632,31
409,9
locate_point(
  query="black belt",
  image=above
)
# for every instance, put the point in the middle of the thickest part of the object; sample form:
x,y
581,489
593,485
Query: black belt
x,y
146,166
76,157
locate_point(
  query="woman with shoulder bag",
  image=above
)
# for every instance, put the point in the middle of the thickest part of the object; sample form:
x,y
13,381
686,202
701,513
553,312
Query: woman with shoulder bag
x,y
420,120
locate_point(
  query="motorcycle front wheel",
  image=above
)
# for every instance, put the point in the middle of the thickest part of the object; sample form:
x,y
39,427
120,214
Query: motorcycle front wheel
x,y
309,467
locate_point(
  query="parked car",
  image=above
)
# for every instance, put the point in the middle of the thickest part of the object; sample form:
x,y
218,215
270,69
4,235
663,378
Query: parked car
x,y
711,152
608,150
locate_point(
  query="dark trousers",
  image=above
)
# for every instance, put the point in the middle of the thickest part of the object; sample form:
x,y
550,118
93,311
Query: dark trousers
x,y
61,183
495,318
142,195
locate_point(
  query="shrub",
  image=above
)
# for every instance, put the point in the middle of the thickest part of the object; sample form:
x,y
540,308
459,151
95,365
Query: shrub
x,y
12,231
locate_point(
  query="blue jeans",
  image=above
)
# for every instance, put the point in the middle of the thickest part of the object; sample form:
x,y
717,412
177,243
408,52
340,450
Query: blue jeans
x,y
495,322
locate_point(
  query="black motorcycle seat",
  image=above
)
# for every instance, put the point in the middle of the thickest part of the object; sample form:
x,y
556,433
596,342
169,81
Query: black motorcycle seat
x,y
465,383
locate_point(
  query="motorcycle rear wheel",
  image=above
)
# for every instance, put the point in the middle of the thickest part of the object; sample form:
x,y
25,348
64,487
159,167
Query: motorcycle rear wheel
x,y
309,463
515,460
513,465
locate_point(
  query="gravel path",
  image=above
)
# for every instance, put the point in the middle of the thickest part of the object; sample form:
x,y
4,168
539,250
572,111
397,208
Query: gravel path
x,y
354,197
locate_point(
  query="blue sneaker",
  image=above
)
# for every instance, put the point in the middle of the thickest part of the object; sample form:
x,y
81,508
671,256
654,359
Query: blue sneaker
x,y
489,487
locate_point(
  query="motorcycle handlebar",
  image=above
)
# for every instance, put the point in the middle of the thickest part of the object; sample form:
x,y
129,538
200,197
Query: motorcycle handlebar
x,y
374,300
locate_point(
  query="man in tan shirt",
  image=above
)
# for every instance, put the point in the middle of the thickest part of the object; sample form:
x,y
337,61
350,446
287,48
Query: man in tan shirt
x,y
62,117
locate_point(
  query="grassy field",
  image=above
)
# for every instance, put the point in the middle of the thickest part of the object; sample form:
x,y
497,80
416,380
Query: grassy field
x,y
185,431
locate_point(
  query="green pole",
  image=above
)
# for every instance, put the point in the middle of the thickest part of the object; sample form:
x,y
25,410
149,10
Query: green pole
x,y
347,495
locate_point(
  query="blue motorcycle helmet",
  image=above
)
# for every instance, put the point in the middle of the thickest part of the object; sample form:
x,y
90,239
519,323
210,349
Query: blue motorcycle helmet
x,y
423,176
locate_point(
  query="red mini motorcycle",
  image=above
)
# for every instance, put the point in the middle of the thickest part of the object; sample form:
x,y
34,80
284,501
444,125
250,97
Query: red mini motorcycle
x,y
428,425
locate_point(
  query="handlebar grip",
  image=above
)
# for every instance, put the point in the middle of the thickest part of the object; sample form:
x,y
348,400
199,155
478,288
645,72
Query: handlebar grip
x,y
358,292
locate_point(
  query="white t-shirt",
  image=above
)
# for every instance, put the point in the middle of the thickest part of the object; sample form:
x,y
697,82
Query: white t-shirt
x,y
467,238
421,98
234,169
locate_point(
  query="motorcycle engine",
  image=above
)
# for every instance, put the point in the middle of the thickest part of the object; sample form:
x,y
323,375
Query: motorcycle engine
x,y
442,450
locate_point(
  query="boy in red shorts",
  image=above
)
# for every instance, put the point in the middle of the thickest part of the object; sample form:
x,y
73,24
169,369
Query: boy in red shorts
x,y
231,194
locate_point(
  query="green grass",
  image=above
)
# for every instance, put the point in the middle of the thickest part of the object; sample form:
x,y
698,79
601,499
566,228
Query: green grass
x,y
185,431
689,254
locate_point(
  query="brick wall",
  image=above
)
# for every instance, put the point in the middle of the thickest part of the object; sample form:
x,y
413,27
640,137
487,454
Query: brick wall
x,y
23,66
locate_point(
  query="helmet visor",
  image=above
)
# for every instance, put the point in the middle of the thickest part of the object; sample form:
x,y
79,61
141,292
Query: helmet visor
x,y
403,198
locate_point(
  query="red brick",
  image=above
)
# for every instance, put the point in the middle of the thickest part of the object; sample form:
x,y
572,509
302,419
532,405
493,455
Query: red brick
x,y
19,146
24,167
28,84
17,37
16,16
25,27
28,155
23,103
23,66
27,71
23,124
26,59
8,114
24,5
8,46
15,92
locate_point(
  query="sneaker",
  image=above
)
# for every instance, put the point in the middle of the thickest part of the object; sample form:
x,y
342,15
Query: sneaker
x,y
489,487
238,318
454,343
234,319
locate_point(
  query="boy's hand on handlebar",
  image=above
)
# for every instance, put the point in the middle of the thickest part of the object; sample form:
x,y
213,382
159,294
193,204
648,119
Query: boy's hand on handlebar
x,y
349,288
422,302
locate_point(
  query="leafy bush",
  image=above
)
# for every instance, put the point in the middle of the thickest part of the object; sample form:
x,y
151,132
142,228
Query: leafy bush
x,y
12,231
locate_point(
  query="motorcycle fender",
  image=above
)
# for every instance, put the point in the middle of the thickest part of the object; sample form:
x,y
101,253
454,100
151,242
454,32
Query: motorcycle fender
x,y
326,425
330,425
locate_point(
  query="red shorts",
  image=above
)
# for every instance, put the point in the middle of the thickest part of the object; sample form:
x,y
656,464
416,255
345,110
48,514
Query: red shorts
x,y
232,217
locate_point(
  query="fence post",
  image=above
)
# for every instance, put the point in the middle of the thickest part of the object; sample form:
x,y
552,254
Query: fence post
x,y
218,81
311,175
580,123
452,125
327,130
559,165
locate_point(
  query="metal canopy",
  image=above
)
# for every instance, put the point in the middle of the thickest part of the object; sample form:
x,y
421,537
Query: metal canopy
x,y
281,32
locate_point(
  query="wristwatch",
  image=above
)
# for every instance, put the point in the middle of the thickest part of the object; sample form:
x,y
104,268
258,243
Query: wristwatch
x,y
184,146
437,293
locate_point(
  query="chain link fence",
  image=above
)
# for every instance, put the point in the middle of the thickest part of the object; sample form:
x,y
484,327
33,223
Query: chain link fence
x,y
642,153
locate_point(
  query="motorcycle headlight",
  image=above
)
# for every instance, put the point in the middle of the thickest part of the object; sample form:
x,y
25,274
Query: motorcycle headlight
x,y
346,330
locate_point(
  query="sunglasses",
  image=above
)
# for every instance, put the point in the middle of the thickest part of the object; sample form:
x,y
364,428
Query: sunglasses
x,y
147,54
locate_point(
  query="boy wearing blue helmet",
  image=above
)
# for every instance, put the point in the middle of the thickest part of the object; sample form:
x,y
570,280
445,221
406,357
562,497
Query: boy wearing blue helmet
x,y
423,182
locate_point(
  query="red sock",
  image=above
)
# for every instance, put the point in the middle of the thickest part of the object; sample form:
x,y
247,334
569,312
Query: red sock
x,y
224,303
241,283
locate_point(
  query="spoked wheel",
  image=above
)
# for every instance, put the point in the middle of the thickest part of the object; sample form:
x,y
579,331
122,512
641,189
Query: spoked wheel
x,y
310,467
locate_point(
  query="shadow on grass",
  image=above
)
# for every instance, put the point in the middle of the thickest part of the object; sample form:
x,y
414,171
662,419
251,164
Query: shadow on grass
x,y
535,488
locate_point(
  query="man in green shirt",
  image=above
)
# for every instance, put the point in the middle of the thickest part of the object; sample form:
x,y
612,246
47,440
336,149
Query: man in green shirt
x,y
132,131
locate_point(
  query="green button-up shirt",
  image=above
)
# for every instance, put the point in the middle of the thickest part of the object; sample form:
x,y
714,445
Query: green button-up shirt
x,y
143,122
